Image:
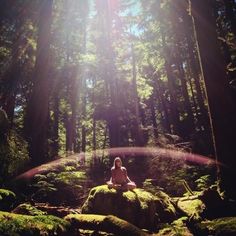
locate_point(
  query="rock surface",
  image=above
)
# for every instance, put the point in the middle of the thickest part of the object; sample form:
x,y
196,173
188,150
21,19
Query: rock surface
x,y
138,207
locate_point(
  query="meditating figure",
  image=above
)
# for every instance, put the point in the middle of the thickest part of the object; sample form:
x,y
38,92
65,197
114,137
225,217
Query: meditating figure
x,y
119,178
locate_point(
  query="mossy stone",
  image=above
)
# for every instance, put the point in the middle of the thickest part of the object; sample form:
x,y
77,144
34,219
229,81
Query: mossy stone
x,y
101,223
138,207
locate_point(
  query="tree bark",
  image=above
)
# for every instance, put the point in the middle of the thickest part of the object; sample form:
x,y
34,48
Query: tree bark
x,y
137,124
38,106
220,101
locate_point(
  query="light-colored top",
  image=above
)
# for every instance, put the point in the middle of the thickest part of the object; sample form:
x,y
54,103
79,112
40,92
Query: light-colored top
x,y
119,175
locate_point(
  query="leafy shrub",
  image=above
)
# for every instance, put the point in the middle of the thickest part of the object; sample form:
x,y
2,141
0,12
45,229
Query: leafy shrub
x,y
7,199
13,156
170,173
59,188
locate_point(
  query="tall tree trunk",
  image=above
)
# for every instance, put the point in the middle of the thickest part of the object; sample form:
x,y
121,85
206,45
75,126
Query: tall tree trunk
x,y
222,109
159,92
203,121
38,106
174,112
137,124
188,126
72,119
153,117
113,120
55,134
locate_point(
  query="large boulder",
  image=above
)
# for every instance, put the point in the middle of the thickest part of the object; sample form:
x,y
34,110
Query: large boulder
x,y
138,207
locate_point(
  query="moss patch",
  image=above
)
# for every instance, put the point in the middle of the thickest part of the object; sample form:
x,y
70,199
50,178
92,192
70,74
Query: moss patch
x,y
138,207
17,225
177,227
110,224
225,226
191,208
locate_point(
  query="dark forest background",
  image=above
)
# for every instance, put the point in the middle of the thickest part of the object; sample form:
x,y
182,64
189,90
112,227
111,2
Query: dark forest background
x,y
77,76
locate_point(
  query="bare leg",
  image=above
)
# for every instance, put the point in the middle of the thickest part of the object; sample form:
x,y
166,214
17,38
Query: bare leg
x,y
131,186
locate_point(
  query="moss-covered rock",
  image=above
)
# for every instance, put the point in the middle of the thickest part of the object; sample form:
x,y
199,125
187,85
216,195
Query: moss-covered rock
x,y
138,207
110,224
22,225
192,207
225,226
177,227
7,199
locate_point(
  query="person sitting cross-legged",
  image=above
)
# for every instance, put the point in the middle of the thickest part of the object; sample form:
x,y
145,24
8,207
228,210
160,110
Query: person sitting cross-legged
x,y
119,177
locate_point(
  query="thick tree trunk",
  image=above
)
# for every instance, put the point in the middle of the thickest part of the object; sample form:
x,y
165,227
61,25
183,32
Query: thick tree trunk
x,y
202,113
138,136
110,75
174,112
187,125
222,109
38,107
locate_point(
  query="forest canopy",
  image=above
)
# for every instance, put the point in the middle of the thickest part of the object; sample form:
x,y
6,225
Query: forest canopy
x,y
77,76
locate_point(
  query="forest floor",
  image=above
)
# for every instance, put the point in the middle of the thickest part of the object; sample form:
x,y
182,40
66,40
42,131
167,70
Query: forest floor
x,y
60,190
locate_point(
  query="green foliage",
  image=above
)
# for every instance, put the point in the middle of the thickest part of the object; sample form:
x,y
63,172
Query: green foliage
x,y
203,182
13,155
48,187
44,188
170,173
167,174
7,199
150,187
219,227
28,209
6,193
177,228
21,225
191,207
